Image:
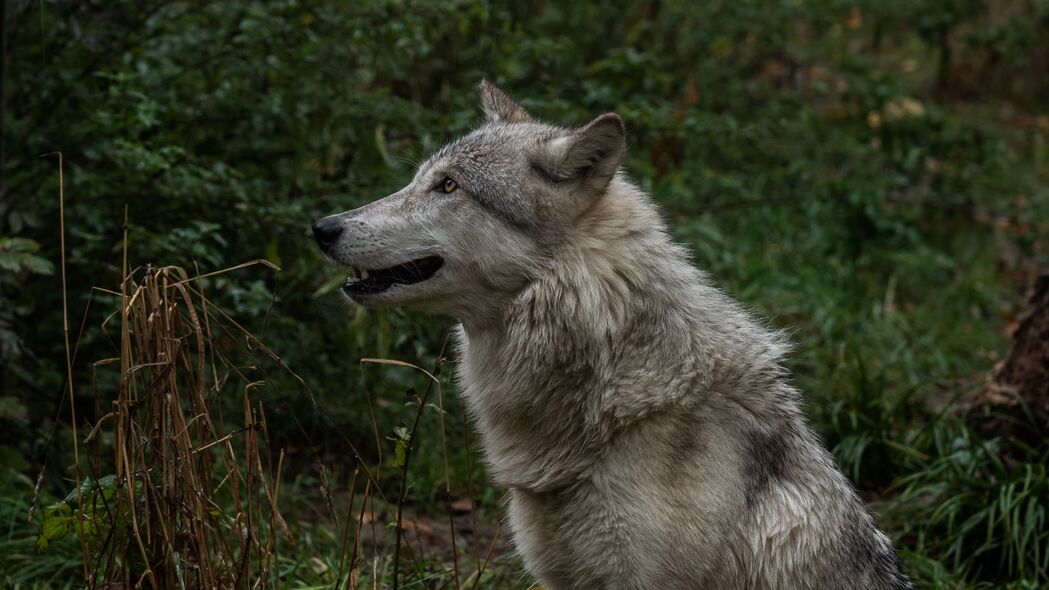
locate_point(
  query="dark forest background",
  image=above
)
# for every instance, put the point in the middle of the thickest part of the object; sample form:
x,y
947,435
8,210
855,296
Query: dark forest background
x,y
873,176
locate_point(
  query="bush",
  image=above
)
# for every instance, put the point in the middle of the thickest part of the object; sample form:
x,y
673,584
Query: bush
x,y
829,163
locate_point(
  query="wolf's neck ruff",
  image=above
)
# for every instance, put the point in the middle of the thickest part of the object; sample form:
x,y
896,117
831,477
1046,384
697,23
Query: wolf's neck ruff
x,y
616,303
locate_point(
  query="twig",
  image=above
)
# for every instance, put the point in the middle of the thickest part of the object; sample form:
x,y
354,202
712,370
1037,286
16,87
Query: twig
x,y
346,530
447,478
69,354
408,451
469,494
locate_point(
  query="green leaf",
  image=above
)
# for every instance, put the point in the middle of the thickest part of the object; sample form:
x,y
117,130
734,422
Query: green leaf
x,y
88,487
18,254
53,529
401,439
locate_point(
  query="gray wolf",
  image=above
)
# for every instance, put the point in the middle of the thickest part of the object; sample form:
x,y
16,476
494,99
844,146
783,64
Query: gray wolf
x,y
639,417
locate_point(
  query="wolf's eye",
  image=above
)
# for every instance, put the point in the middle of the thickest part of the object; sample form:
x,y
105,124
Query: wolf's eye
x,y
448,185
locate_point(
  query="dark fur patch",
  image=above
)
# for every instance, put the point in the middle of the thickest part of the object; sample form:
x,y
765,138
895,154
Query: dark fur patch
x,y
489,202
866,555
686,445
683,448
765,462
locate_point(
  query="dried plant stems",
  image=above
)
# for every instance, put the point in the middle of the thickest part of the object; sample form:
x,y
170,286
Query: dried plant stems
x,y
65,336
176,502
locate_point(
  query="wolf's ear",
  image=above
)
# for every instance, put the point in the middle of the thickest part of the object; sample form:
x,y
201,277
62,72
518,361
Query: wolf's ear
x,y
499,106
590,155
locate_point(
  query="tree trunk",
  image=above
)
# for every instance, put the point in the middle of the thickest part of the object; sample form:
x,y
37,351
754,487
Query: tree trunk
x,y
1022,379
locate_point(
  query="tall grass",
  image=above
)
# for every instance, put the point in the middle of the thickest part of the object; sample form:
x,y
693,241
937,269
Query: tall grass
x,y
176,497
980,504
962,505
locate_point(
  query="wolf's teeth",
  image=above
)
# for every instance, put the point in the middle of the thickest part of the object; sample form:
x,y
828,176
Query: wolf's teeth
x,y
364,273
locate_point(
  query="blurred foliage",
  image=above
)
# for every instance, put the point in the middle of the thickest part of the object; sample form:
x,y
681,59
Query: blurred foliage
x,y
872,175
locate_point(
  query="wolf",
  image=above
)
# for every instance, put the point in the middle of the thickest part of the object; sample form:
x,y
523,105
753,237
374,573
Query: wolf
x,y
639,417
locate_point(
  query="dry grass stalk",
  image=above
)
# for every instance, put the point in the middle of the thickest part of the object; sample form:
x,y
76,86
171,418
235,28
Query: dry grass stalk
x,y
191,498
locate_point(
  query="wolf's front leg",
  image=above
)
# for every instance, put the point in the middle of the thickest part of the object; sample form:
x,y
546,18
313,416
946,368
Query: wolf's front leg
x,y
539,542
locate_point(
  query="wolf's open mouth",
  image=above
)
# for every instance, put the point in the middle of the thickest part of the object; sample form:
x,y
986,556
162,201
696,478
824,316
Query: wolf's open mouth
x,y
364,281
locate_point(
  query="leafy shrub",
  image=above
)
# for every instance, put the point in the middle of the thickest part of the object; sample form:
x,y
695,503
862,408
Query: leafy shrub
x,y
820,158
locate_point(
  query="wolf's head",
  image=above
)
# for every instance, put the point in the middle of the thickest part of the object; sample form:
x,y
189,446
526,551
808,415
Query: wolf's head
x,y
480,218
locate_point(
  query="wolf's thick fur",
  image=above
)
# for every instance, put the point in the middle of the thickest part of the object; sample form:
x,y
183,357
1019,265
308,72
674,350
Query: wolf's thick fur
x,y
639,417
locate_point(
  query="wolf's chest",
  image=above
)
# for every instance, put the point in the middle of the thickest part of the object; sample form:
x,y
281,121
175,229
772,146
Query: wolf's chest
x,y
609,537
573,538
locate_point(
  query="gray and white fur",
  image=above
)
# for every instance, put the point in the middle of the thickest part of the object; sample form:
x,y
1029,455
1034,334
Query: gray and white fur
x,y
639,417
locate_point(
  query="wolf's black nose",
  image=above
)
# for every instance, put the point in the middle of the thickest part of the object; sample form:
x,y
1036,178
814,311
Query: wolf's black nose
x,y
326,231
